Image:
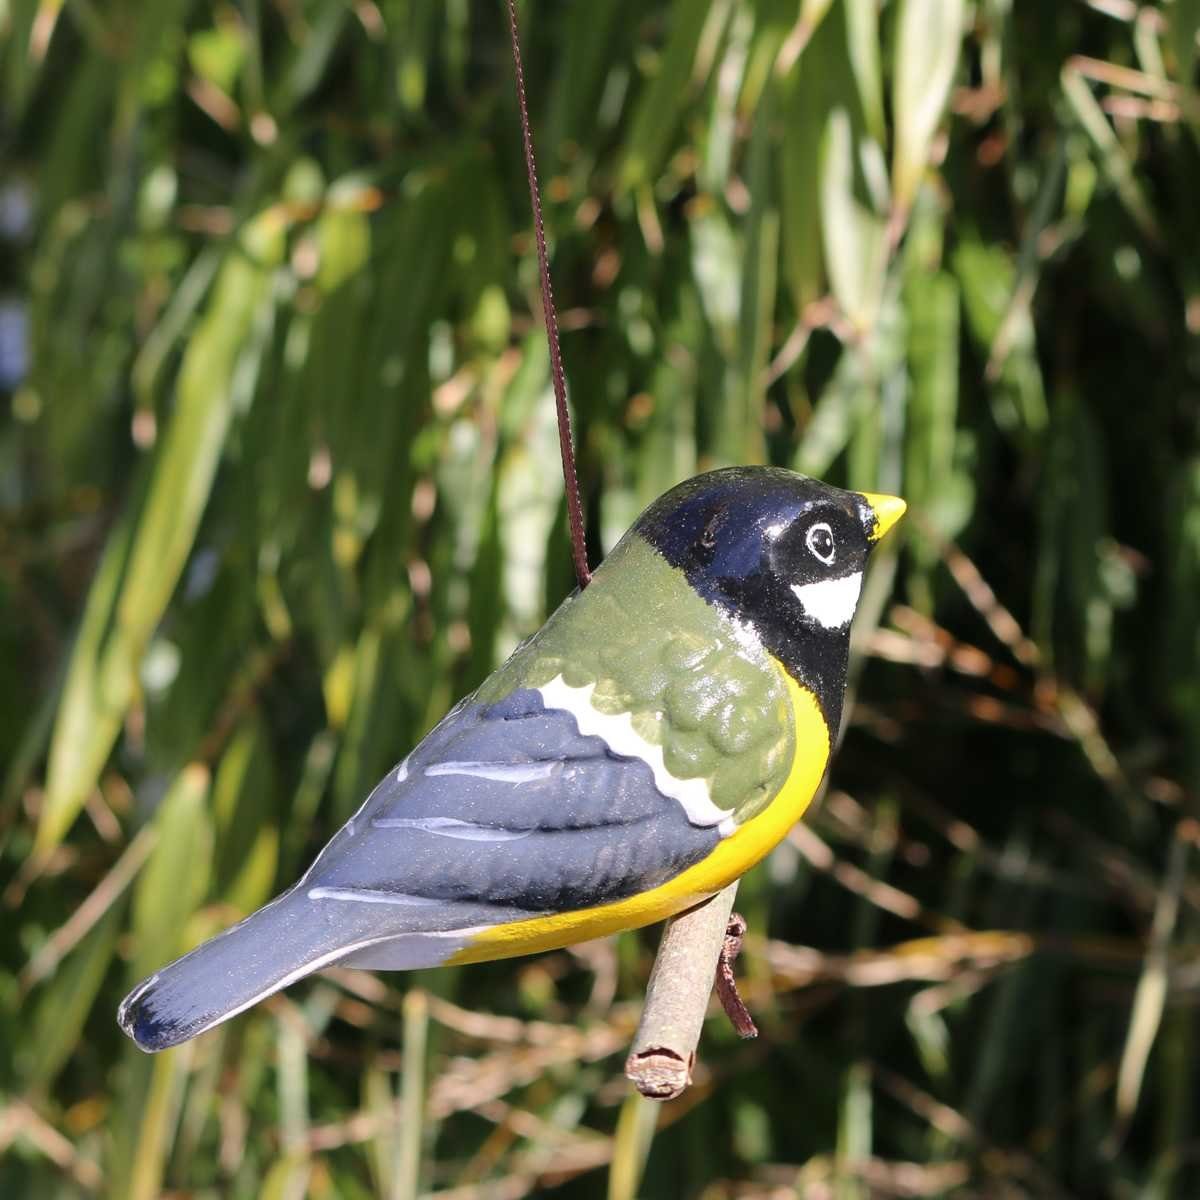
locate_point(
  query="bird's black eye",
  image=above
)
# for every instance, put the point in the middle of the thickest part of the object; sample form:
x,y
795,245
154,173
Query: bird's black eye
x,y
819,541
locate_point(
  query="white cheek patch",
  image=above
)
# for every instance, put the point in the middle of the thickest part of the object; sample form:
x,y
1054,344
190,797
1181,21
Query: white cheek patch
x,y
830,602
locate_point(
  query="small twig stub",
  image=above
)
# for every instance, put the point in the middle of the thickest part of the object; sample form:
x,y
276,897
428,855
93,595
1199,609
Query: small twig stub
x,y
727,989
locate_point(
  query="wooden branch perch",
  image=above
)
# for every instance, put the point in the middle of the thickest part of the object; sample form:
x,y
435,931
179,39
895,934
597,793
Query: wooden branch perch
x,y
692,954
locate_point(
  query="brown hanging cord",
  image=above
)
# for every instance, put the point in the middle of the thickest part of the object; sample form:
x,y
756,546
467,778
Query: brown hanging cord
x,y
574,510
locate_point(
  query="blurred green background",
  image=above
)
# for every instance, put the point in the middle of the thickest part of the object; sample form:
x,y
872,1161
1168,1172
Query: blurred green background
x,y
279,483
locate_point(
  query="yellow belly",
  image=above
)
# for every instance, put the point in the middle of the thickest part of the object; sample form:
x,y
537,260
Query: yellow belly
x,y
732,857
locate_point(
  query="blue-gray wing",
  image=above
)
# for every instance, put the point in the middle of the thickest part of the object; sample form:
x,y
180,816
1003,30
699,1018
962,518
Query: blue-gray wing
x,y
504,811
509,807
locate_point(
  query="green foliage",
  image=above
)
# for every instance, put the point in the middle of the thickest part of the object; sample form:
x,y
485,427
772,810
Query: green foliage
x,y
279,483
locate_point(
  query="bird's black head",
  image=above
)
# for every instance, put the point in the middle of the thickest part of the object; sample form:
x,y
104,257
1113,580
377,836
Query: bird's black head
x,y
780,552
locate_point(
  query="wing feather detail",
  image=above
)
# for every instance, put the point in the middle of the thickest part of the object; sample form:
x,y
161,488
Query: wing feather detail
x,y
508,805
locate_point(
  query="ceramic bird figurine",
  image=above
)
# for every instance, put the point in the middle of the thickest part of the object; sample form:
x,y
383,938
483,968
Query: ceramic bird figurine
x,y
652,742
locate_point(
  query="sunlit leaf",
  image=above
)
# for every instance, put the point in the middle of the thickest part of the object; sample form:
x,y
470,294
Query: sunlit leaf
x,y
853,234
928,38
659,107
147,554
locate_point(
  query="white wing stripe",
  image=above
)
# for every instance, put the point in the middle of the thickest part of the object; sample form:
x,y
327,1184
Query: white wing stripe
x,y
496,772
373,896
623,740
453,828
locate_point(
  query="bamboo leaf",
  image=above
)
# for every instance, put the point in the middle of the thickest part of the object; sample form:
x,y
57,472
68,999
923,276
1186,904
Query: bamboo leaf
x,y
717,265
1183,24
163,1102
729,76
1149,1002
245,824
844,402
855,1132
529,493
928,39
1114,158
176,877
745,442
930,478
636,1124
143,562
172,325
191,451
595,35
862,45
89,713
62,1011
406,1173
853,235
800,213
658,109
167,894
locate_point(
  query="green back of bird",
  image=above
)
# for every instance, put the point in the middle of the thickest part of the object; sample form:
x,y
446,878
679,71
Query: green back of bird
x,y
691,681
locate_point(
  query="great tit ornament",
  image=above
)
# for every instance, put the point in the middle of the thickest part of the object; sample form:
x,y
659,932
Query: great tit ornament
x,y
653,741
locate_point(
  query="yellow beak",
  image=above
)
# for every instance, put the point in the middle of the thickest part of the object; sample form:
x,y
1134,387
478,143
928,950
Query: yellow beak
x,y
887,509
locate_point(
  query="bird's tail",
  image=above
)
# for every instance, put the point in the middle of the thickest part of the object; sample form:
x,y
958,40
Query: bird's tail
x,y
273,947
